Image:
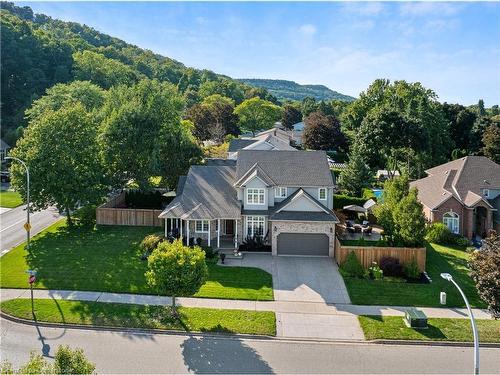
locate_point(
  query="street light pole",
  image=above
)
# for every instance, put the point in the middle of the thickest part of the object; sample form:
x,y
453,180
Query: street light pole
x,y
449,278
28,225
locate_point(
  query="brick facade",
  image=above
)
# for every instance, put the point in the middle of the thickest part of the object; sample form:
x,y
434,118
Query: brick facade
x,y
302,227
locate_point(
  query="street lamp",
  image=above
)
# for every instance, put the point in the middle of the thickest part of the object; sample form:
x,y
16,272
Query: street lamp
x,y
449,278
27,226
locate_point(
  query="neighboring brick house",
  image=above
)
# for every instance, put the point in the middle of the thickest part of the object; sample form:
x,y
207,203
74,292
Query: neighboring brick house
x,y
464,194
285,197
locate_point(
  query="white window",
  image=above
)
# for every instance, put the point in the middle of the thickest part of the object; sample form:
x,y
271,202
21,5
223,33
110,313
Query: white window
x,y
280,192
201,226
450,219
322,194
256,196
255,226
486,192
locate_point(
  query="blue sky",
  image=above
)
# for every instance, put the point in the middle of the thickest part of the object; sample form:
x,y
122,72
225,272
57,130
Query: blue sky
x,y
452,48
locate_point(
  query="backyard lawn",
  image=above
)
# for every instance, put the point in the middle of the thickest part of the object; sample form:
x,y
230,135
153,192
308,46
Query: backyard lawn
x,y
10,199
440,329
107,259
439,259
139,316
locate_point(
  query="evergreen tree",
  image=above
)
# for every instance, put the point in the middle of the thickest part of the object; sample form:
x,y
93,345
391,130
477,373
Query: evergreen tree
x,y
356,175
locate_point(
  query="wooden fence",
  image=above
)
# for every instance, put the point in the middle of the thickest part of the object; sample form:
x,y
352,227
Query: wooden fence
x,y
110,213
369,254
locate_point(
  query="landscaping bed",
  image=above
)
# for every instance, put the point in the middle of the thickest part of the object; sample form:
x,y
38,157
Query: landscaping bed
x,y
440,329
10,199
439,259
139,316
108,259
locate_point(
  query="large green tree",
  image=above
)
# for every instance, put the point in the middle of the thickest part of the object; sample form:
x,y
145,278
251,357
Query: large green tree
x,y
461,120
409,220
322,132
291,116
491,142
60,149
223,87
257,114
356,175
222,110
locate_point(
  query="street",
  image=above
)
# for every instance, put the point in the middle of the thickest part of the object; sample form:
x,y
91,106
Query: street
x,y
12,232
121,352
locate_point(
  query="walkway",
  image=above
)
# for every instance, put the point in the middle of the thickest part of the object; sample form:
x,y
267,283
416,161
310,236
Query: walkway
x,y
293,319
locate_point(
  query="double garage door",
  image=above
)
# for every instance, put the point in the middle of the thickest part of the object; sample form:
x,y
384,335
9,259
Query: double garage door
x,y
303,244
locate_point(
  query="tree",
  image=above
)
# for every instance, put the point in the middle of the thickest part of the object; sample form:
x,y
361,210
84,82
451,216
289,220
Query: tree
x,y
322,132
291,116
485,267
477,133
222,111
491,141
60,149
139,124
202,120
356,175
223,87
461,120
66,361
409,220
256,114
309,105
480,108
176,270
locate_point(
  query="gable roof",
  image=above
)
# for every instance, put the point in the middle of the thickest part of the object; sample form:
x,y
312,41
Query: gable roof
x,y
3,145
255,172
275,143
208,193
463,179
239,143
277,132
288,168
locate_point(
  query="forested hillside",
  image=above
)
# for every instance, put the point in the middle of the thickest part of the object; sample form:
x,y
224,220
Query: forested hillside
x,y
289,90
39,51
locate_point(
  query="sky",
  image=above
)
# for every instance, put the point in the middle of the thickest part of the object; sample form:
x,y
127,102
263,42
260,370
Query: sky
x,y
452,48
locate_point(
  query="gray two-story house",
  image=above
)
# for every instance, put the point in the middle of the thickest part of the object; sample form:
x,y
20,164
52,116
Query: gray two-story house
x,y
285,197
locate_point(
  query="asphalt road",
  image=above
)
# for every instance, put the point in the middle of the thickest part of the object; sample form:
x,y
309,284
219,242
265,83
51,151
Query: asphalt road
x,y
11,225
120,352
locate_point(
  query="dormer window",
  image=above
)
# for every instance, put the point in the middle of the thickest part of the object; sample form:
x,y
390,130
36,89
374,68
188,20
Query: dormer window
x,y
280,192
322,194
486,192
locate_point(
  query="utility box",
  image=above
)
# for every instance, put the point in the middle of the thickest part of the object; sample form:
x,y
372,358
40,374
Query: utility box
x,y
442,298
415,319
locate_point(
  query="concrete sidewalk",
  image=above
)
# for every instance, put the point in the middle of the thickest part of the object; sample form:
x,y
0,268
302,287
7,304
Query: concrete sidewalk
x,y
285,307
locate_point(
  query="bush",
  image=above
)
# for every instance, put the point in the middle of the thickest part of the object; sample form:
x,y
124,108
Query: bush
x,y
461,240
141,199
391,266
254,244
68,361
86,215
341,200
209,252
151,242
440,234
411,270
375,272
352,266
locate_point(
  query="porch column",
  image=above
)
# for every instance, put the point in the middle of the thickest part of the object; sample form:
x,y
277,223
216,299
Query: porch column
x,y
209,234
218,233
235,233
166,227
182,234
187,232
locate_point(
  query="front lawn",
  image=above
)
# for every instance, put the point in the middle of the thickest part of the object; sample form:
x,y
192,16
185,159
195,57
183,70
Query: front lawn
x,y
139,316
440,329
10,199
107,259
439,259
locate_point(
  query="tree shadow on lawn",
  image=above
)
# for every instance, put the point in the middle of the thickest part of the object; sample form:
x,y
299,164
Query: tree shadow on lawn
x,y
431,332
212,355
100,259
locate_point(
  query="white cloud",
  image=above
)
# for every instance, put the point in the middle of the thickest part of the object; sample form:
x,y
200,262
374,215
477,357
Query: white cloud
x,y
307,29
371,8
426,8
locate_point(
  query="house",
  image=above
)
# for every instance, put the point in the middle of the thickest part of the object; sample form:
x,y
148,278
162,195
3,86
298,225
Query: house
x,y
464,194
284,197
271,139
4,149
384,174
297,132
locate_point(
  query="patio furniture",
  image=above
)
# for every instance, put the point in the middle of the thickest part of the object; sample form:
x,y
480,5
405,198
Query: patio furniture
x,y
357,228
367,231
365,224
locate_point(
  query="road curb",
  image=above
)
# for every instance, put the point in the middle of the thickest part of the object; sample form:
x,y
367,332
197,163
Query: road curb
x,y
436,343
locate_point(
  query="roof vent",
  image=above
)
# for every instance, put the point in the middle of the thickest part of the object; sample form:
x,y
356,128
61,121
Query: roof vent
x,y
485,181
446,172
444,193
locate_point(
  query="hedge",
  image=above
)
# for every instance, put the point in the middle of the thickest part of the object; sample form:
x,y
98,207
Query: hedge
x,y
340,201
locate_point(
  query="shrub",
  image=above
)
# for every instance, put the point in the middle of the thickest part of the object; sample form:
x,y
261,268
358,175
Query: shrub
x,y
151,242
461,240
352,266
375,272
440,234
341,200
86,215
140,199
69,361
254,244
391,266
411,270
209,252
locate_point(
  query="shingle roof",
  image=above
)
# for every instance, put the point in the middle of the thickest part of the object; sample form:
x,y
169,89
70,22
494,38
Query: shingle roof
x,y
239,143
208,194
464,179
3,145
288,168
216,162
180,185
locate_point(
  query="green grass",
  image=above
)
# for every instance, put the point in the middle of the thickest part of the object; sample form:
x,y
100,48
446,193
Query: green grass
x,y
362,243
107,259
10,199
439,259
139,316
440,329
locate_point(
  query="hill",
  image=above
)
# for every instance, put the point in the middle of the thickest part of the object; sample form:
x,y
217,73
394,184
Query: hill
x,y
289,90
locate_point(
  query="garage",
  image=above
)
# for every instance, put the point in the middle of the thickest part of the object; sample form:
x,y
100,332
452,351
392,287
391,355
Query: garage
x,y
303,244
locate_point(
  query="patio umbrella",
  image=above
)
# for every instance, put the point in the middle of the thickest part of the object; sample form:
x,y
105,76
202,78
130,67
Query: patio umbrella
x,y
355,208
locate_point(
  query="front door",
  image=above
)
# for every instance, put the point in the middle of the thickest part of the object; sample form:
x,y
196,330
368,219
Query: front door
x,y
229,227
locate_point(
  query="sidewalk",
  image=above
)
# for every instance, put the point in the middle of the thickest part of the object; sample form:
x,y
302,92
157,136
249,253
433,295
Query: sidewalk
x,y
309,308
